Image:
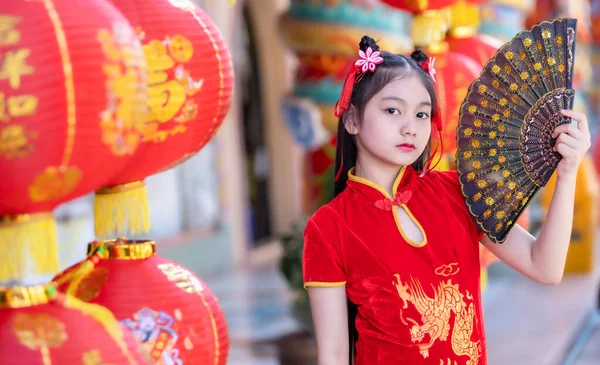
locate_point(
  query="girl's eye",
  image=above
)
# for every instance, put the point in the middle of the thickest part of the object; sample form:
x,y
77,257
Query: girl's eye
x,y
392,111
422,115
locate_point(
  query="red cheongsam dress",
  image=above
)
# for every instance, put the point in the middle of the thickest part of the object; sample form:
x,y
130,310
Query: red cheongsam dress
x,y
418,302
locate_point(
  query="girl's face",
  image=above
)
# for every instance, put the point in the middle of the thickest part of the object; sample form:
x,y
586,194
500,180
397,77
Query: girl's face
x,y
396,125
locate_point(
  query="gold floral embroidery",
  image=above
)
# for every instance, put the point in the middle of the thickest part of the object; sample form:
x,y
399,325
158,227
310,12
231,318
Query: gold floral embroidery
x,y
90,286
39,332
92,357
15,142
54,183
435,317
448,270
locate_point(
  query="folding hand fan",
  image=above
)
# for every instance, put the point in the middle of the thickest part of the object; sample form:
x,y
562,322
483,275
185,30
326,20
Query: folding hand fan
x,y
504,137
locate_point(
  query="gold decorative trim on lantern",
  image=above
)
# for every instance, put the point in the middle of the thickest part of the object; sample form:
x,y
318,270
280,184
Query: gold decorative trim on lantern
x,y
122,249
464,19
430,27
312,37
27,239
26,296
436,48
121,210
215,120
14,220
61,39
120,188
417,5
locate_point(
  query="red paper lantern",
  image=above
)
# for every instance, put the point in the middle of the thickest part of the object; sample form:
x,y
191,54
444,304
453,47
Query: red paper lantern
x,y
43,327
171,310
455,73
417,6
596,152
319,177
190,88
479,48
72,108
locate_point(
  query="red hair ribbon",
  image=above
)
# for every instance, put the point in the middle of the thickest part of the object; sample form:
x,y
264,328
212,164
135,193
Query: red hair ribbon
x,y
366,62
427,66
429,69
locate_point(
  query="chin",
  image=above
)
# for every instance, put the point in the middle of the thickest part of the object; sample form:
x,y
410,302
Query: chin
x,y
402,161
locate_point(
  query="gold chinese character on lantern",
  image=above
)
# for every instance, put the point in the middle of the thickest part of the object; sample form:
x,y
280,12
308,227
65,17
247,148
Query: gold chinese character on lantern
x,y
171,87
15,140
182,278
17,106
121,126
9,35
14,66
22,105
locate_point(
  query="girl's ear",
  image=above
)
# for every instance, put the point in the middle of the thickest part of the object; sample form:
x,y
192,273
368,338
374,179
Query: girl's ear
x,y
351,122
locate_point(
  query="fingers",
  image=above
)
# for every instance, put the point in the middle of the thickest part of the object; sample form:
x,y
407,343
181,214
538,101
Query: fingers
x,y
582,122
567,152
568,140
570,129
580,132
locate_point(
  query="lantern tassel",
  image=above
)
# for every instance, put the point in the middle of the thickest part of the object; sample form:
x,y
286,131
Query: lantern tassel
x,y
105,318
121,210
28,244
81,271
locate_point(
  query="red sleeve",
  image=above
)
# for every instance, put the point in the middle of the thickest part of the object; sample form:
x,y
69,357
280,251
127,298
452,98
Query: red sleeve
x,y
450,178
322,263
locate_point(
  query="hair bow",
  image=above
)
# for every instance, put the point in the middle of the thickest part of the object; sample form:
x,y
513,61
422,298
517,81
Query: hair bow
x,y
427,66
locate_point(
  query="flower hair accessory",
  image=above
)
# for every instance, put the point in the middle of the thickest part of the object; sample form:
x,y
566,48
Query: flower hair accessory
x,y
367,61
427,66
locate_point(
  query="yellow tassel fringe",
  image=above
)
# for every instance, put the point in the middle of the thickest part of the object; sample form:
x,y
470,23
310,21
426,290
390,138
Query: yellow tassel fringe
x,y
28,244
121,210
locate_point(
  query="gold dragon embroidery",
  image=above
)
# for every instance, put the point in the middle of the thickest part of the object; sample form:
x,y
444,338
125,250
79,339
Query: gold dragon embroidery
x,y
435,317
448,270
449,362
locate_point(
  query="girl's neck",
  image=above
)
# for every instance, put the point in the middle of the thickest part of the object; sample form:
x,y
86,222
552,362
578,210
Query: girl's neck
x,y
381,174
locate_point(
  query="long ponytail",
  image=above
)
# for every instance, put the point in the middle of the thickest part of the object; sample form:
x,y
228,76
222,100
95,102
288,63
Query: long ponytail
x,y
345,158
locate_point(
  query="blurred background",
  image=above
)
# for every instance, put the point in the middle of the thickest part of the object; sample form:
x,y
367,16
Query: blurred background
x,y
234,214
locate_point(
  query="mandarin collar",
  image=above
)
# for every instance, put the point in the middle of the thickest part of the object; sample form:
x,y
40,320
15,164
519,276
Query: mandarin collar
x,y
370,191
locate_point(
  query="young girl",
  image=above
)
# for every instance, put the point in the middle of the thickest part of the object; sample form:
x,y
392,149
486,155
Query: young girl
x,y
400,245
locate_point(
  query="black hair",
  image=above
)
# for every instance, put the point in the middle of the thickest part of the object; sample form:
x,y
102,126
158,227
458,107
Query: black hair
x,y
394,66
